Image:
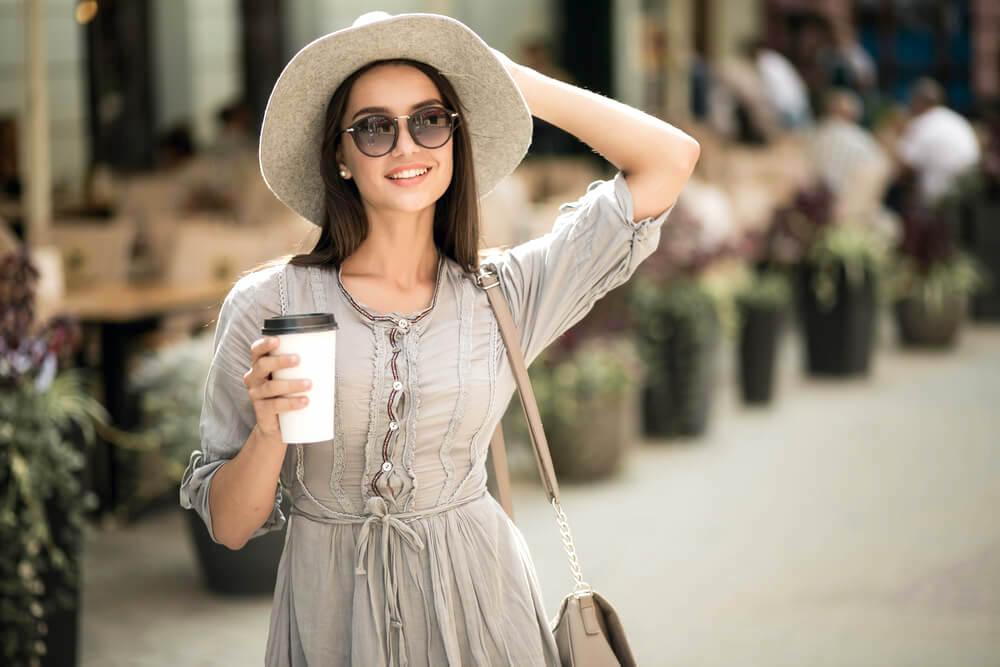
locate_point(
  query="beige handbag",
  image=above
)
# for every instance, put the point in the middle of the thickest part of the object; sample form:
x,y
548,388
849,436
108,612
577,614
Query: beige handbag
x,y
587,628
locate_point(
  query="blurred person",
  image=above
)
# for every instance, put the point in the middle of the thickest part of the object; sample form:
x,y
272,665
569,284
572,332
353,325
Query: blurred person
x,y
235,128
782,84
175,146
850,63
368,135
848,157
937,145
990,113
738,105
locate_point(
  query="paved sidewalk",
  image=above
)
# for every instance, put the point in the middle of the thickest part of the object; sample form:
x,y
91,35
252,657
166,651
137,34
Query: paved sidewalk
x,y
852,523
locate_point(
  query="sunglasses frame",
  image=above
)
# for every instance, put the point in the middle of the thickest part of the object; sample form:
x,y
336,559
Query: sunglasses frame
x,y
354,128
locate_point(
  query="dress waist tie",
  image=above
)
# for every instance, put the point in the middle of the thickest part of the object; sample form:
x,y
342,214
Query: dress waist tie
x,y
378,513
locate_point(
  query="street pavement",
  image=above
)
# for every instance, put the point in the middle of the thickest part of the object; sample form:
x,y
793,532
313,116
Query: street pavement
x,y
850,523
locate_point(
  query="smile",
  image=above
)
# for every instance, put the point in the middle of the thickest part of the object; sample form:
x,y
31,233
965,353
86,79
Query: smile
x,y
408,174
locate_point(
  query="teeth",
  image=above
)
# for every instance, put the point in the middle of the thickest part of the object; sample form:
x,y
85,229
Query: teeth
x,y
409,173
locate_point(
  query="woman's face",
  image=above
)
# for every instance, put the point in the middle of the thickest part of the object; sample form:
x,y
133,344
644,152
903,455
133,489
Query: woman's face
x,y
398,90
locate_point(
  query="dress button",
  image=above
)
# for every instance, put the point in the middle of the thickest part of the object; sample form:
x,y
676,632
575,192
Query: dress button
x,y
387,466
393,426
403,325
397,385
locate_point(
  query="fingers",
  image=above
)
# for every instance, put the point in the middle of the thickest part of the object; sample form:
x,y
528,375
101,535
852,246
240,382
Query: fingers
x,y
272,388
264,362
289,403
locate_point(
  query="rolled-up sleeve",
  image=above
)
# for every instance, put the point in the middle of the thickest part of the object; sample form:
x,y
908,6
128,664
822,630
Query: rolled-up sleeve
x,y
227,414
595,245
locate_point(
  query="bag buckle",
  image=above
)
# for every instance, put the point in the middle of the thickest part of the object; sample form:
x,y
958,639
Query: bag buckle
x,y
487,277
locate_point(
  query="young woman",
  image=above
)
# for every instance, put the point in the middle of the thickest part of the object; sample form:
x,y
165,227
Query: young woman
x,y
385,135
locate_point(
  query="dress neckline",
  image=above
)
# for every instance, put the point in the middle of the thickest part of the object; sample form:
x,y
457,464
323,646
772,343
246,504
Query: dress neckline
x,y
394,315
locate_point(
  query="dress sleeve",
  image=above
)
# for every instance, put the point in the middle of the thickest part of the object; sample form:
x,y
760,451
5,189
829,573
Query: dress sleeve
x,y
227,414
595,245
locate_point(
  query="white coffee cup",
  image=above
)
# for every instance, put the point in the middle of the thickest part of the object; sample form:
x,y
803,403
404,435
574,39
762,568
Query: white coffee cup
x,y
312,336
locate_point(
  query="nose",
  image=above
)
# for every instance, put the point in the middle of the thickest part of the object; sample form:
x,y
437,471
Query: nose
x,y
405,144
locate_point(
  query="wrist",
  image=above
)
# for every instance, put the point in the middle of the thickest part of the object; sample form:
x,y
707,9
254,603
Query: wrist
x,y
270,441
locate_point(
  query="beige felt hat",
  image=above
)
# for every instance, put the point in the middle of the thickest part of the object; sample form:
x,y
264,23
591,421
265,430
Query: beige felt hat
x,y
493,109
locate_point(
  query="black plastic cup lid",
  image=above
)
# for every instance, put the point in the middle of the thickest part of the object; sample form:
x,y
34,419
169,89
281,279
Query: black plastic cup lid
x,y
306,323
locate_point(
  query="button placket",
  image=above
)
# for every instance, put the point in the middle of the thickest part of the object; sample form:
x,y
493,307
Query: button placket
x,y
400,326
394,403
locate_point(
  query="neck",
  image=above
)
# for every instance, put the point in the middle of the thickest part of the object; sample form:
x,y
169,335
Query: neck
x,y
399,248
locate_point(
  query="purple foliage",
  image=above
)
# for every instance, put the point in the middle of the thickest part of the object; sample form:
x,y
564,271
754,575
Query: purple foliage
x,y
926,238
24,353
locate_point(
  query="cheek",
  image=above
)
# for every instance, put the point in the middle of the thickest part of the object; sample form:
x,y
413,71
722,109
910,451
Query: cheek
x,y
446,165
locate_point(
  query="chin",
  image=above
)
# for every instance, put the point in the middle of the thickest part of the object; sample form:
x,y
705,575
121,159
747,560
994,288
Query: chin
x,y
416,200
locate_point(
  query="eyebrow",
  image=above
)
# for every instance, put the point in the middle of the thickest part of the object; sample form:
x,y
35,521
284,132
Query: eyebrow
x,y
433,100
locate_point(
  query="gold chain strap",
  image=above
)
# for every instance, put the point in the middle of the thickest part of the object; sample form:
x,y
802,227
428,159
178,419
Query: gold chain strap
x,y
582,587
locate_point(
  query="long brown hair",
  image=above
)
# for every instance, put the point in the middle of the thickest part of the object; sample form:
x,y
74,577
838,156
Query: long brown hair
x,y
345,225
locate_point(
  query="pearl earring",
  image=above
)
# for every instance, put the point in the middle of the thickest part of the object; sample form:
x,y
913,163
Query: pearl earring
x,y
344,173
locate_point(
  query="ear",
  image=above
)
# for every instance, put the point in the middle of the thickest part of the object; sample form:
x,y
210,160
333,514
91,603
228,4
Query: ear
x,y
341,165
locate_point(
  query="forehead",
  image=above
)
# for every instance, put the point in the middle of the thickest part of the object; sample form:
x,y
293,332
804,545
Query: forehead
x,y
396,87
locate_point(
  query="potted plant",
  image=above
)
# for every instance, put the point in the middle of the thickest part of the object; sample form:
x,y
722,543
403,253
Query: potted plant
x,y
170,385
930,281
586,398
682,304
837,263
47,419
680,335
763,303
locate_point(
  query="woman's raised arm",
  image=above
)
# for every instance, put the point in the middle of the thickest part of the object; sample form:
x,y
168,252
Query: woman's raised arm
x,y
656,158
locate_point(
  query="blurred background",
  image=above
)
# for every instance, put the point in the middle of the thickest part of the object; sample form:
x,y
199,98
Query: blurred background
x,y
779,443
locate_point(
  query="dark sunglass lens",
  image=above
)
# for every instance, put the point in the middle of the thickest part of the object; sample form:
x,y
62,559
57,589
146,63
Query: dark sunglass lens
x,y
375,135
431,127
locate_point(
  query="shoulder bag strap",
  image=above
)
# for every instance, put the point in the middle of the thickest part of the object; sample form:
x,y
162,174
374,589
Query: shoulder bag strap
x,y
488,280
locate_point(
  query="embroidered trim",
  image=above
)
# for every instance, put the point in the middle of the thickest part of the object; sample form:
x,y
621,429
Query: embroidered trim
x,y
390,413
320,305
318,293
299,475
339,459
371,317
479,450
409,439
283,290
373,411
464,342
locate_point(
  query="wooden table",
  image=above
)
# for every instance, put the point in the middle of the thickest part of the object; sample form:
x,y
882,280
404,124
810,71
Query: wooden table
x,y
120,313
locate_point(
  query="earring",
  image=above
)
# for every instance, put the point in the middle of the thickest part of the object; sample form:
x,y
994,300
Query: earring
x,y
344,174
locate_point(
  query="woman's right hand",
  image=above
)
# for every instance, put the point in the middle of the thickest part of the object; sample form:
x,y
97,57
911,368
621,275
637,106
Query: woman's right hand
x,y
270,396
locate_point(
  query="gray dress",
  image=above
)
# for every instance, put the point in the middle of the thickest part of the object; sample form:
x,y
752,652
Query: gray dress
x,y
395,554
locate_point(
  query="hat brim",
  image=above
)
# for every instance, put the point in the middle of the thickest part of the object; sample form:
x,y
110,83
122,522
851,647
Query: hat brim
x,y
494,111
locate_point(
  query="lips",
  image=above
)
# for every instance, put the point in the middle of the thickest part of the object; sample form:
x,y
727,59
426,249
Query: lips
x,y
408,181
406,168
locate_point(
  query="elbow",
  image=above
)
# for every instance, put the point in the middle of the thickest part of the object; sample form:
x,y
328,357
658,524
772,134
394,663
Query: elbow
x,y
227,535
689,153
233,542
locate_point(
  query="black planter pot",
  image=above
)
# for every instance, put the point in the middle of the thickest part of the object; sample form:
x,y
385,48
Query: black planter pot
x,y
838,339
677,398
251,570
63,638
760,333
62,641
982,238
921,326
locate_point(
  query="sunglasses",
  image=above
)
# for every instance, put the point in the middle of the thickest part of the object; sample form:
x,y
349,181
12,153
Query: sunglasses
x,y
430,127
